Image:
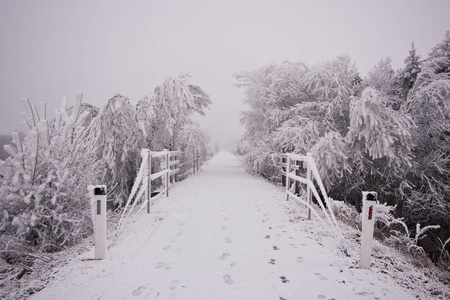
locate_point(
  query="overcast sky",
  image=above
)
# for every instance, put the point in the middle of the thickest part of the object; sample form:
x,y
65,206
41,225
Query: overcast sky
x,y
50,49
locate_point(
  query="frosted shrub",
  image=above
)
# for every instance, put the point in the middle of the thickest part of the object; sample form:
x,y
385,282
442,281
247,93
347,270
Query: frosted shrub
x,y
43,192
402,239
346,213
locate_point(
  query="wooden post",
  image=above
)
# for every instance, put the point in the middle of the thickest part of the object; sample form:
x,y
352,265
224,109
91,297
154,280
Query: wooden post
x,y
308,189
288,180
297,172
171,178
177,157
167,156
148,173
193,161
198,158
283,171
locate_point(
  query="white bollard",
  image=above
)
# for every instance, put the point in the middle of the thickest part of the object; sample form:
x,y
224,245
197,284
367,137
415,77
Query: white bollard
x,y
368,224
98,204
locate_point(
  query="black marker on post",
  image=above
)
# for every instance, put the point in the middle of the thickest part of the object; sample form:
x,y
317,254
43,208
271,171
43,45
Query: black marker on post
x,y
368,224
98,200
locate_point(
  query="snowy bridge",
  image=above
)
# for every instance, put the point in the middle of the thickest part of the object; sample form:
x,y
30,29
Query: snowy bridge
x,y
223,234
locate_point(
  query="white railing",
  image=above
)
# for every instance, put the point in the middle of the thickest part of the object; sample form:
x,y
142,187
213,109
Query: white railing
x,y
169,170
312,173
194,163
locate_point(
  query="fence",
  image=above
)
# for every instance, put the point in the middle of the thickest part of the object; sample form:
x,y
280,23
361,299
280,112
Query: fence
x,y
192,161
294,165
144,179
167,171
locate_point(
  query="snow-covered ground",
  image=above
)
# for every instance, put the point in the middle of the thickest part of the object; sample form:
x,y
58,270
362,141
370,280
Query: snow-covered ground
x,y
224,234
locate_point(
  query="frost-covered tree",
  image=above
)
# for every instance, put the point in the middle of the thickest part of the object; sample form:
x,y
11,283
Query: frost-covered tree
x,y
388,132
428,104
407,76
163,114
380,143
292,106
439,57
381,77
117,141
192,141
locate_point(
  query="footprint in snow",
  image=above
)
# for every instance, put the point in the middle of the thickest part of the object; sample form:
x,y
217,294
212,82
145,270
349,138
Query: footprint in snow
x,y
227,279
167,247
228,240
284,279
174,284
272,261
299,259
276,248
267,237
139,291
224,256
166,265
320,276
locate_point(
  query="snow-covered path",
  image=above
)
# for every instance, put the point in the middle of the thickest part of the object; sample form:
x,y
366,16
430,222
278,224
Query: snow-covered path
x,y
224,235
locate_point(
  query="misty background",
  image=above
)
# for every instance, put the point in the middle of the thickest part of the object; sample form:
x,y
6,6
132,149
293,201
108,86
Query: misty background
x,y
51,49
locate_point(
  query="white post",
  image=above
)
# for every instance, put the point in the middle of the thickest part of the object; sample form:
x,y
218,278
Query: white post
x,y
368,223
308,188
288,180
167,156
198,158
98,204
193,161
147,174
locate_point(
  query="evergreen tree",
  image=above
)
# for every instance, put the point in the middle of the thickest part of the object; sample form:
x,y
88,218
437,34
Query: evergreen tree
x,y
439,57
407,76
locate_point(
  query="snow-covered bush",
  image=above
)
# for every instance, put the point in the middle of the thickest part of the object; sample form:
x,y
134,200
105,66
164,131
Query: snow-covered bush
x,y
43,192
346,213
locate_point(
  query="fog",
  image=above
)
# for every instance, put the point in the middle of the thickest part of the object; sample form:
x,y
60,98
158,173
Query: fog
x,y
50,49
